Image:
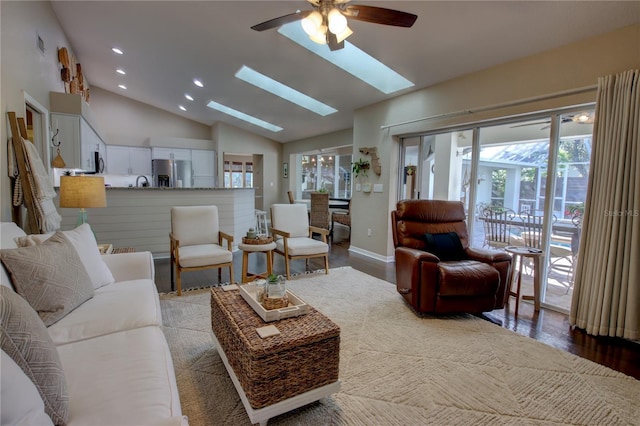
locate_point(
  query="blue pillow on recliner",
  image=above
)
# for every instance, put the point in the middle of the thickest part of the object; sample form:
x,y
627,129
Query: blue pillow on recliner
x,y
446,246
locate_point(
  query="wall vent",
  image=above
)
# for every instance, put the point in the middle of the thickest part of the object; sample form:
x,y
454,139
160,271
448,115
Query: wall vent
x,y
40,44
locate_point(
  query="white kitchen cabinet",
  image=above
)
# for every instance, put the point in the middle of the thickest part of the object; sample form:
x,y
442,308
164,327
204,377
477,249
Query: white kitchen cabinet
x,y
78,141
160,153
203,164
128,160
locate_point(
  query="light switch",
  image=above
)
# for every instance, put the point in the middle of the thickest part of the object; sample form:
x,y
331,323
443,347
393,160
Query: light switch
x,y
358,187
377,187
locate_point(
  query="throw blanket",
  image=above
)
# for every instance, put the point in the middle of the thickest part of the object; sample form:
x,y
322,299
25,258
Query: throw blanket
x,y
45,213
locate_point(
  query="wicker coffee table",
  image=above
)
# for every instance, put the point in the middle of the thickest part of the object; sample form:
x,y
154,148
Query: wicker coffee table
x,y
278,373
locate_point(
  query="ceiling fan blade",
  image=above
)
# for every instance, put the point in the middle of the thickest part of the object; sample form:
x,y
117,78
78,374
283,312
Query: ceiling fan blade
x,y
379,15
277,22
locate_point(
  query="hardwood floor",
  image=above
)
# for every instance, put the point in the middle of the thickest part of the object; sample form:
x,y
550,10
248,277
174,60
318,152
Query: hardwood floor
x,y
547,326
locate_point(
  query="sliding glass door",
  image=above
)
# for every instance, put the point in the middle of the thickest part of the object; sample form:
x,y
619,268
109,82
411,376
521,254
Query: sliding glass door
x,y
533,171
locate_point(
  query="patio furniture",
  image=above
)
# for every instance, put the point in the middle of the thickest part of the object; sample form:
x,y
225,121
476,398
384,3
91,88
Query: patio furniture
x,y
560,253
498,226
196,242
519,254
291,229
436,270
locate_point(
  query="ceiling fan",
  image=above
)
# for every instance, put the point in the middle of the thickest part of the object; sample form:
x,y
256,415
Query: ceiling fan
x,y
580,118
327,22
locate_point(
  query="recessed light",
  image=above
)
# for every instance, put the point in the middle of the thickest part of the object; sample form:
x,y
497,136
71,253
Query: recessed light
x,y
118,51
188,96
120,71
197,82
122,86
182,108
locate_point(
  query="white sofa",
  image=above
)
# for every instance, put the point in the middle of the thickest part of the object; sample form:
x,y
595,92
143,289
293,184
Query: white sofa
x,y
113,352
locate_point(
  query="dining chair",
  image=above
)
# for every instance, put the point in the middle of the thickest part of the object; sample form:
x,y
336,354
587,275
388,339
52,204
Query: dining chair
x,y
291,200
197,242
292,232
319,215
560,253
498,226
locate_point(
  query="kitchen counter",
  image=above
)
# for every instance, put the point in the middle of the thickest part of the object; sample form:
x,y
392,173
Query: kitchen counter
x,y
141,217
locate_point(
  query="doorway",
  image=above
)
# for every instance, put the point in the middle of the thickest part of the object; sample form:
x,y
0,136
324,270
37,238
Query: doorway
x,y
37,122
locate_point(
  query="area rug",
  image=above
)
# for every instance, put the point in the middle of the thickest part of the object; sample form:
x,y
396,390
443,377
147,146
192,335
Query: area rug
x,y
400,369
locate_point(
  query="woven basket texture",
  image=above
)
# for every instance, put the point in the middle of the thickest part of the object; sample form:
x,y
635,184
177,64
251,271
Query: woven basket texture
x,y
304,356
256,241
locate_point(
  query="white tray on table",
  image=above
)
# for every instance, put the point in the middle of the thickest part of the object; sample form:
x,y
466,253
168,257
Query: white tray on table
x,y
295,308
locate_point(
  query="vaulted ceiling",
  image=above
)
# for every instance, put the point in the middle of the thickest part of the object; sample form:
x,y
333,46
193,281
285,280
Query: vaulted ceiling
x,y
168,44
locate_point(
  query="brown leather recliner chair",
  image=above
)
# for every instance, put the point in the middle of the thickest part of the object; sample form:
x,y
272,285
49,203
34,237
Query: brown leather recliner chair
x,y
469,280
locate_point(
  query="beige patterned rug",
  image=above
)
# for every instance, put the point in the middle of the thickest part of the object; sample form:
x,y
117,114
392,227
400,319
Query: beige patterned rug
x,y
399,369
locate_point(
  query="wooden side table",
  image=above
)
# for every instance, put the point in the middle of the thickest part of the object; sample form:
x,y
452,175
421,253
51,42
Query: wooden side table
x,y
519,253
256,248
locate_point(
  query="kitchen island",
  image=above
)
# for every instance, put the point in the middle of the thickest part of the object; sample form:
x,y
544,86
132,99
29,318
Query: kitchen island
x,y
141,217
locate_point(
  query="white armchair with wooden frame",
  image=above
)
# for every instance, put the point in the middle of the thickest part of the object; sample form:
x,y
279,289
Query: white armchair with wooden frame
x,y
292,233
197,242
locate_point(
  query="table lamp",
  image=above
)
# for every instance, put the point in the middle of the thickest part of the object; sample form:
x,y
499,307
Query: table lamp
x,y
82,192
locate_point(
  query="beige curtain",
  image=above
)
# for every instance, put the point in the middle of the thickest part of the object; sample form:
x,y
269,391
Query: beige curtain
x,y
606,298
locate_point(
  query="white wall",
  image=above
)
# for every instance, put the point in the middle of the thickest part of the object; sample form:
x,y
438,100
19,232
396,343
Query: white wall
x,y
124,121
232,140
25,69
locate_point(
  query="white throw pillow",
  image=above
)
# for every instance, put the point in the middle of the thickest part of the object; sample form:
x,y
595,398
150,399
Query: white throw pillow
x,y
85,244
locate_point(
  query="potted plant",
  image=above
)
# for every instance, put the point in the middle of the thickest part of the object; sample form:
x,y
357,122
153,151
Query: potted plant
x,y
360,167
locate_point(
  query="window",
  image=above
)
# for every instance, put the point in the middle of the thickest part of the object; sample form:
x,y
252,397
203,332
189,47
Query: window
x,y
498,183
248,175
238,174
325,171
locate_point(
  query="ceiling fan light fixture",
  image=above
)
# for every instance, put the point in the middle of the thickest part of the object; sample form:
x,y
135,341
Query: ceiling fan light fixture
x,y
320,36
344,34
337,21
312,23
583,118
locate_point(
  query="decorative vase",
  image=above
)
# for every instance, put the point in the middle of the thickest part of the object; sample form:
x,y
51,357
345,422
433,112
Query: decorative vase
x,y
252,234
275,295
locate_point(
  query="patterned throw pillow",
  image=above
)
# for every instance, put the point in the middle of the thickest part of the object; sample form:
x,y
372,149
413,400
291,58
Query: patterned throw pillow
x,y
51,277
85,243
24,337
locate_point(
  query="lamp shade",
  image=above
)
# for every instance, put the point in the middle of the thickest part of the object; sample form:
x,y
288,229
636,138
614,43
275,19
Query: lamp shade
x,y
82,192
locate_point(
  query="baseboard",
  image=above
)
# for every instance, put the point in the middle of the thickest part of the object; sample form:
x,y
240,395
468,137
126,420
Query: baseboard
x,y
372,255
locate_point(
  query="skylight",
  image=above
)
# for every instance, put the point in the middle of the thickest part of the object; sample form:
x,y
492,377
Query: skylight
x,y
351,59
285,92
242,116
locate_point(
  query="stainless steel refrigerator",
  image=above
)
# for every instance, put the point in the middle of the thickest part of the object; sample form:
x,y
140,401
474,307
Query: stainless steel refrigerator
x,y
171,173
